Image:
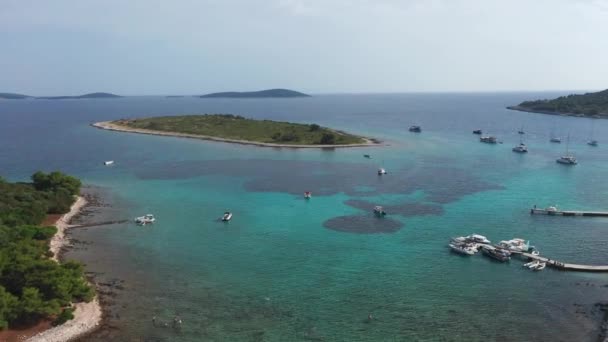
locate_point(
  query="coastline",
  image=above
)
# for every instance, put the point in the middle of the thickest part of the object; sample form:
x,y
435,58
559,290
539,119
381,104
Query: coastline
x,y
87,316
528,110
108,125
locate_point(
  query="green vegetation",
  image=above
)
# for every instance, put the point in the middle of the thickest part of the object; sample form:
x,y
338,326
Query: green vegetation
x,y
32,286
261,93
589,104
236,127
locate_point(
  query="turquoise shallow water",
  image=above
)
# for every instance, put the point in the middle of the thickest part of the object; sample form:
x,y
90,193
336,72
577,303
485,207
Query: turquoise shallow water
x,y
288,269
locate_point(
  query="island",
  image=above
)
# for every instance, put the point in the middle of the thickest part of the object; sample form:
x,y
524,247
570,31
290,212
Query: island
x,y
283,93
237,129
13,96
85,96
593,105
36,290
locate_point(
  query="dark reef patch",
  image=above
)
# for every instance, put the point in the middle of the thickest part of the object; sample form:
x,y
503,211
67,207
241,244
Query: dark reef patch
x,y
363,224
403,209
441,184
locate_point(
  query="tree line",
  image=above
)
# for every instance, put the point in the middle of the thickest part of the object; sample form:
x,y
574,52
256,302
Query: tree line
x,y
32,286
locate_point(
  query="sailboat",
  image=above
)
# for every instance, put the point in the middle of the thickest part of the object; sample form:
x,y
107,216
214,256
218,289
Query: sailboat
x,y
521,148
592,142
521,130
567,159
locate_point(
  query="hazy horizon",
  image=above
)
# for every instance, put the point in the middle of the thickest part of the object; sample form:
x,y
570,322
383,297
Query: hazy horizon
x,y
320,47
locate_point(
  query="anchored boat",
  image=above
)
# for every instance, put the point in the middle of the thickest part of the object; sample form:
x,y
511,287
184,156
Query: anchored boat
x,y
146,219
488,139
415,129
108,162
379,211
227,216
307,194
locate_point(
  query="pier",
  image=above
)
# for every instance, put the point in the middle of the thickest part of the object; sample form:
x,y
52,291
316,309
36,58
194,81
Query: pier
x,y
553,211
564,266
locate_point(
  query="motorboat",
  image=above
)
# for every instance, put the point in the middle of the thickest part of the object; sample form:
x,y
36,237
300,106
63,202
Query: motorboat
x,y
515,245
379,211
367,156
227,216
477,238
463,249
146,219
531,263
567,160
539,266
535,252
415,129
307,194
496,253
108,162
555,140
592,142
477,131
521,148
381,171
488,139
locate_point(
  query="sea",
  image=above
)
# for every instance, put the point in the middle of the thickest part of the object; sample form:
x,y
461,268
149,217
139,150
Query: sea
x,y
325,269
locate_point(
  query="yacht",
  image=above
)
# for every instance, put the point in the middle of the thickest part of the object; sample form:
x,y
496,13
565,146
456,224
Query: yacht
x,y
381,171
496,253
488,139
463,249
567,159
146,219
477,238
108,162
555,140
415,129
227,216
521,130
515,245
379,211
477,131
521,148
592,142
307,194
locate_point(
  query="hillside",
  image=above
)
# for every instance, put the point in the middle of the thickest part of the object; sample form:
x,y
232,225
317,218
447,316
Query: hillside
x,y
258,94
85,96
12,96
588,105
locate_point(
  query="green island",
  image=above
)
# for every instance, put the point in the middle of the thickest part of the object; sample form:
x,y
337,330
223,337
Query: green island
x,y
585,105
13,96
237,129
32,285
284,93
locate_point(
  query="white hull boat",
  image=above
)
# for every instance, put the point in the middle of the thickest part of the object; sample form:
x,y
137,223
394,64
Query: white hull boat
x,y
144,220
227,216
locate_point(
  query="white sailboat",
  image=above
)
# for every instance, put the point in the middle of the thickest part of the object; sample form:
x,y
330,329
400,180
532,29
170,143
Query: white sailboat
x,y
567,159
592,142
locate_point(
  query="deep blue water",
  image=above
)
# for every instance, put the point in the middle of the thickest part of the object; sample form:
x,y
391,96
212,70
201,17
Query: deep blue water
x,y
289,269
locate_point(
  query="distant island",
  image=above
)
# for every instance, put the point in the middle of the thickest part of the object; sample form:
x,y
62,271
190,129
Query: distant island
x,y
11,96
237,129
587,105
257,94
85,96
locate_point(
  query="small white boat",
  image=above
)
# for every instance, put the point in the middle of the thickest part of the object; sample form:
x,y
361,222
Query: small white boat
x,y
535,252
108,162
227,216
531,263
307,194
379,211
539,266
146,219
381,171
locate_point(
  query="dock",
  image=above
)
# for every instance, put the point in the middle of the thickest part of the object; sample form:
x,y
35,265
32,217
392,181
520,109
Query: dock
x,y
565,266
535,211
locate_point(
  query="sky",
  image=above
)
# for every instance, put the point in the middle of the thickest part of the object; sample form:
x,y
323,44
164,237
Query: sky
x,y
158,47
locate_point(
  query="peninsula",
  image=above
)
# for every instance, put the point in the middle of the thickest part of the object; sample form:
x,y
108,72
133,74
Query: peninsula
x,y
237,129
13,96
257,94
593,105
